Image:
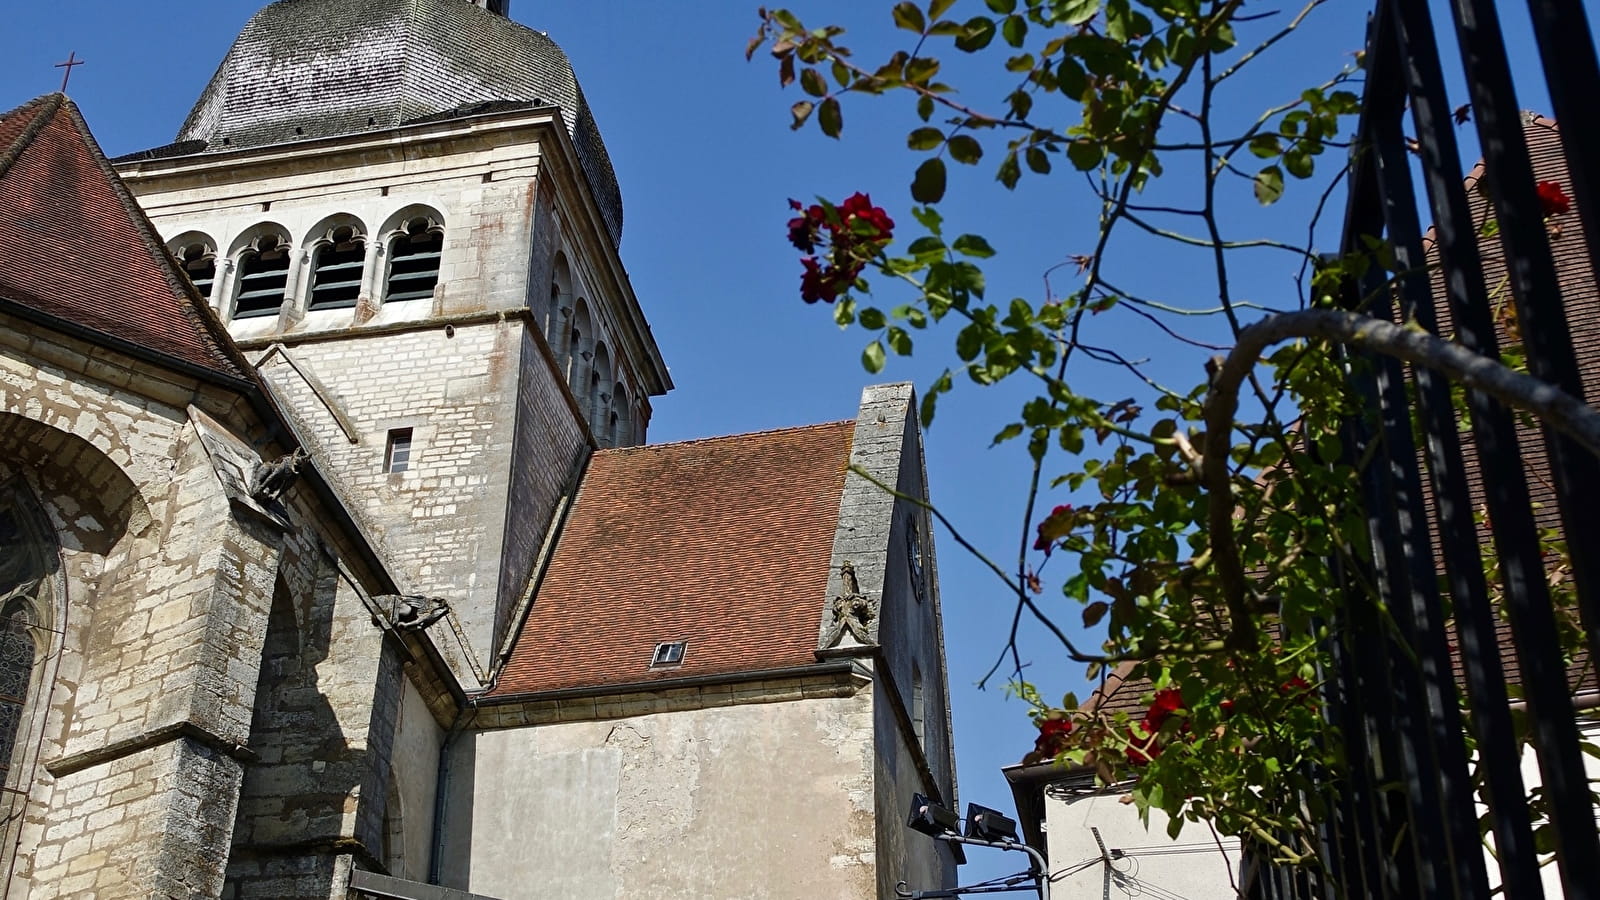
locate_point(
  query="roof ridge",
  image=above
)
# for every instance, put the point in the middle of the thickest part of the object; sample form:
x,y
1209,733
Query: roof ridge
x,y
190,303
722,437
49,104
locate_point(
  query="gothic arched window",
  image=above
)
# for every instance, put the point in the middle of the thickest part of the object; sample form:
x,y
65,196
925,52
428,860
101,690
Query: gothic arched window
x,y
337,264
29,561
263,276
414,256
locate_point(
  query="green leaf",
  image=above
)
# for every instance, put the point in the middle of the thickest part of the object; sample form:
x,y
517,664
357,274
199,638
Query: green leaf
x,y
1038,161
830,117
872,358
1298,162
899,340
924,139
1269,185
801,112
841,73
928,185
927,244
1071,79
928,218
812,82
973,245
1094,612
965,149
1076,12
939,7
1266,146
871,318
1007,433
976,35
1014,30
924,107
921,69
1085,154
1002,7
909,17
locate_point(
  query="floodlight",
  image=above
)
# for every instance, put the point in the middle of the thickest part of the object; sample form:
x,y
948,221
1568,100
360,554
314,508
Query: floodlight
x,y
988,824
930,818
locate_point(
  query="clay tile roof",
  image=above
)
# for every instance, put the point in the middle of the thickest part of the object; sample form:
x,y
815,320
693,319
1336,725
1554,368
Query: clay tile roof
x,y
76,250
723,543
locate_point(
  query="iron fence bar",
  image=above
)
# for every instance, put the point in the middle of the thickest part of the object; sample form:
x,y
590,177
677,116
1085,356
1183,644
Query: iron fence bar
x,y
1407,851
1516,538
1536,288
1459,544
1420,618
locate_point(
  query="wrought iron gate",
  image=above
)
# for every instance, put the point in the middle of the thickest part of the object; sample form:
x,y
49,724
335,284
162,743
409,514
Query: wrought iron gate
x,y
1405,819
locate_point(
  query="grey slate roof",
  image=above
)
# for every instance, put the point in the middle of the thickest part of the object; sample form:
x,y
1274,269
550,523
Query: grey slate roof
x,y
305,69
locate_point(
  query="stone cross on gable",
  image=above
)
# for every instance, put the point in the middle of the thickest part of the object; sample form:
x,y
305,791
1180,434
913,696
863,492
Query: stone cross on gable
x,y
72,61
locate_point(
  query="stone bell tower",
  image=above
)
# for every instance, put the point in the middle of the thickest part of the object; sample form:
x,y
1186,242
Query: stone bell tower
x,y
415,241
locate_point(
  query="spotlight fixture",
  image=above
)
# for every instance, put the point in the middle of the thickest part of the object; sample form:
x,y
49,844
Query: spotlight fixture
x,y
987,824
930,818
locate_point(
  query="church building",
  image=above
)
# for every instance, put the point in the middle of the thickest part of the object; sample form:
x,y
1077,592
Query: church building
x,y
334,562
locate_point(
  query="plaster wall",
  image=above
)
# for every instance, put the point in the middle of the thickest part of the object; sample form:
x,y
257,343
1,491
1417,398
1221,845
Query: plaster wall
x,y
761,799
1550,875
1192,865
414,776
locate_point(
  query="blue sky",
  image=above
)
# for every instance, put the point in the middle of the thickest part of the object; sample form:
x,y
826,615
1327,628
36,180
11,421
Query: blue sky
x,y
706,160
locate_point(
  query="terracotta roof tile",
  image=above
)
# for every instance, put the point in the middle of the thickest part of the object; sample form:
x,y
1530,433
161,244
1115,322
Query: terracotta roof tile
x,y
75,248
723,543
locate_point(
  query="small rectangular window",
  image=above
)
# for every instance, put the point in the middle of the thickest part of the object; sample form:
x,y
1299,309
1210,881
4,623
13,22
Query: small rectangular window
x,y
397,456
668,654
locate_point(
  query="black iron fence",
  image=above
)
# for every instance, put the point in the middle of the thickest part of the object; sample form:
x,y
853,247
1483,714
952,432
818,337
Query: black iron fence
x,y
1427,622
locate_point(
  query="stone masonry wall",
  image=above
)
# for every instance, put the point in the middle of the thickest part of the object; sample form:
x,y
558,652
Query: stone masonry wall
x,y
440,521
161,631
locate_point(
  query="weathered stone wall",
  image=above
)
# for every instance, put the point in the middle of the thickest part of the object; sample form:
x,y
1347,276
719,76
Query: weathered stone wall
x,y
328,696
442,520
166,593
876,534
748,799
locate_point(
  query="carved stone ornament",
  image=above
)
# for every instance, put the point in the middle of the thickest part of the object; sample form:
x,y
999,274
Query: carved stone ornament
x,y
851,612
271,479
413,612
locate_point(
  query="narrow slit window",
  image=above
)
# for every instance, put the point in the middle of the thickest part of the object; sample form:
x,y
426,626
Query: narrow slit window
x,y
263,277
414,261
919,713
199,263
397,455
336,269
668,653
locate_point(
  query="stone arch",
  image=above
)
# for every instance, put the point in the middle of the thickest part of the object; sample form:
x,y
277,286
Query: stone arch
x,y
196,253
600,386
580,351
337,248
558,308
108,503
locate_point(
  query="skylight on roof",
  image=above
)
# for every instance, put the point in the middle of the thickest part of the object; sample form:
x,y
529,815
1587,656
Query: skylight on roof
x,y
669,653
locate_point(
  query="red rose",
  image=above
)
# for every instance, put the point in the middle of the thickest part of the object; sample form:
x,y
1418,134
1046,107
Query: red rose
x,y
1162,707
1552,199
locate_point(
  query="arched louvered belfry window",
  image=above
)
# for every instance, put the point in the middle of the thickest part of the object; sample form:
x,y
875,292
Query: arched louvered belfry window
x,y
621,417
414,256
263,276
198,260
29,567
336,266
